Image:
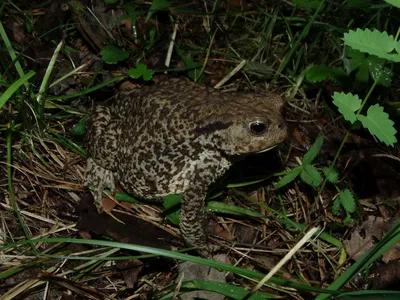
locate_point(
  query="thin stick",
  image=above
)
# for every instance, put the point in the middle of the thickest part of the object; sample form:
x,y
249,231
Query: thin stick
x,y
283,261
171,46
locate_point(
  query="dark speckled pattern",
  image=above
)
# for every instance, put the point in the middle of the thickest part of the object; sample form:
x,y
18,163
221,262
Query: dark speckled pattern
x,y
177,137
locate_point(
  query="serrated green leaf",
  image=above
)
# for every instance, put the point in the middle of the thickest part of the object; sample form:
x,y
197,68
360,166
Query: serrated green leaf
x,y
379,124
347,104
113,55
336,207
322,72
314,150
378,70
347,200
317,73
289,177
141,71
310,175
331,174
373,42
394,2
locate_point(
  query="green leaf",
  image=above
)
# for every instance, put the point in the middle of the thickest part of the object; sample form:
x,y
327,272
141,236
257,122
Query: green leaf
x,y
110,1
157,5
14,87
386,77
80,127
347,220
378,70
113,55
373,42
141,70
336,207
369,65
331,174
122,196
356,58
347,105
362,74
169,202
289,177
357,61
379,124
322,72
310,175
314,150
347,200
194,73
394,2
225,208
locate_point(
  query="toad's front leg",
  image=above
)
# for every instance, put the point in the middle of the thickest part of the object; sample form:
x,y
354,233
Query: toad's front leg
x,y
193,220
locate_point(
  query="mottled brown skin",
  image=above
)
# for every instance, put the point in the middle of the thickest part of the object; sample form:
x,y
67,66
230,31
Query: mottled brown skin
x,y
178,138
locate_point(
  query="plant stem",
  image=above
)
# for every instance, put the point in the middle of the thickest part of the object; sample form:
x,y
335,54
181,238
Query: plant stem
x,y
344,140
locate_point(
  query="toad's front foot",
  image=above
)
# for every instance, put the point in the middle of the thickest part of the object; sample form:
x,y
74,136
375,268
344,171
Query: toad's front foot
x,y
101,179
207,250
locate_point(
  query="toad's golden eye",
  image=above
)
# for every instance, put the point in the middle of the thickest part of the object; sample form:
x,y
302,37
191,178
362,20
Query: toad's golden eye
x,y
258,127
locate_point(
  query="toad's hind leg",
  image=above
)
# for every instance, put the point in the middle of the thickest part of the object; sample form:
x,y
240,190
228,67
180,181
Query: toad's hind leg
x,y
101,141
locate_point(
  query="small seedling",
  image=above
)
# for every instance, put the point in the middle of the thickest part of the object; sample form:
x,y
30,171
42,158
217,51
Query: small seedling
x,y
141,71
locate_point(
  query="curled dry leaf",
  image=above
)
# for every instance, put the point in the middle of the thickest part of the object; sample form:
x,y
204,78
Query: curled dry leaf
x,y
363,237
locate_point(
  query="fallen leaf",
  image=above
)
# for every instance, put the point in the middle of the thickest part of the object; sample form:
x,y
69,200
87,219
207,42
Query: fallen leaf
x,y
360,244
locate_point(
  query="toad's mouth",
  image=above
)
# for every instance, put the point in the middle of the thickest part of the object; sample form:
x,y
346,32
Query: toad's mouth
x,y
266,149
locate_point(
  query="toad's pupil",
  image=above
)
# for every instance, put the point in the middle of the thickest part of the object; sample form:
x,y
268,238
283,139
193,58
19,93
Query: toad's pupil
x,y
258,127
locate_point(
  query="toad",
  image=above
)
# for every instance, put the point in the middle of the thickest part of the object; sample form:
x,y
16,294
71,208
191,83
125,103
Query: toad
x,y
178,137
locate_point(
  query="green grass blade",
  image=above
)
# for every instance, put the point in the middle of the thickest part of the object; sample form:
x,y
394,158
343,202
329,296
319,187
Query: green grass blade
x,y
11,51
175,255
298,41
46,77
14,87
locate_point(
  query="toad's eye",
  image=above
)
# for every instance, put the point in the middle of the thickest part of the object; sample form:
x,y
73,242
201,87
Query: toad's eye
x,y
258,127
